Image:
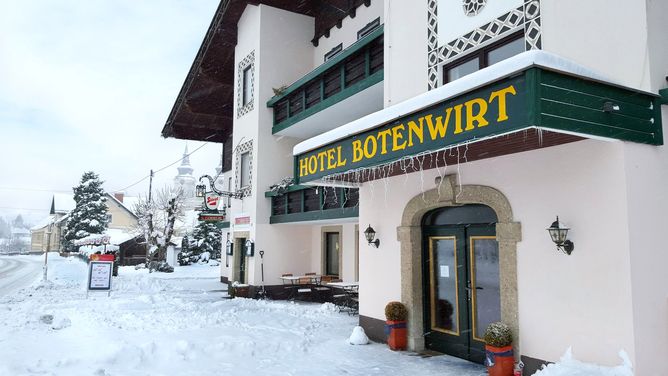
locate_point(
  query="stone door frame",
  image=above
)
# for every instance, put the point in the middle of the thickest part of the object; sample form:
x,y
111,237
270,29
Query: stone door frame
x,y
508,233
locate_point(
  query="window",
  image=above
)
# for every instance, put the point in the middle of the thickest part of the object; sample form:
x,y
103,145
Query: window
x,y
229,189
245,169
334,51
484,57
332,253
246,95
368,29
109,218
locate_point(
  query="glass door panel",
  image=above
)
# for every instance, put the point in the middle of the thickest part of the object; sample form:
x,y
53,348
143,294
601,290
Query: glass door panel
x,y
332,253
444,294
485,285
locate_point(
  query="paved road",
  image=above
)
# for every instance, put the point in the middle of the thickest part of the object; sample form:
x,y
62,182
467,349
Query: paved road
x,y
17,272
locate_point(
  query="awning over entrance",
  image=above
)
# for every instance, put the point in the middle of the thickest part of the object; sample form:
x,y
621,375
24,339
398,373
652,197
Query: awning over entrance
x,y
530,101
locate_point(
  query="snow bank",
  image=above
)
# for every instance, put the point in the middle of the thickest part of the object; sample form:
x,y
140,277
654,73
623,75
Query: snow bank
x,y
568,366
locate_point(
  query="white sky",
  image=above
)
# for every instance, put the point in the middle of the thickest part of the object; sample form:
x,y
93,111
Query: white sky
x,y
88,85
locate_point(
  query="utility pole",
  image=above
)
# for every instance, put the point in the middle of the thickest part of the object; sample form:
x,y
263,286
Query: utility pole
x,y
46,251
150,218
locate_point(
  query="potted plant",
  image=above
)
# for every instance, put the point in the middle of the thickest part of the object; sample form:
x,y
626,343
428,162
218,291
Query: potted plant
x,y
395,326
499,350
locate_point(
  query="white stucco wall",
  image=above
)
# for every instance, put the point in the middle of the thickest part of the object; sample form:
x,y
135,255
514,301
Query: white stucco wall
x,y
563,300
584,31
347,34
405,60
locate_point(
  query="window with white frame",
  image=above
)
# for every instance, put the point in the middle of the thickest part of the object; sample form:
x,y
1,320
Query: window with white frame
x,y
245,169
245,85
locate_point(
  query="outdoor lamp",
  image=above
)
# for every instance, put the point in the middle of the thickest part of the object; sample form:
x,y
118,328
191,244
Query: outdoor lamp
x,y
558,234
370,234
200,190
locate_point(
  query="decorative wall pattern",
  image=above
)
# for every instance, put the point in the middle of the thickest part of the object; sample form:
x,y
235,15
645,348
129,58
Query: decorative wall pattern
x,y
240,149
526,17
243,64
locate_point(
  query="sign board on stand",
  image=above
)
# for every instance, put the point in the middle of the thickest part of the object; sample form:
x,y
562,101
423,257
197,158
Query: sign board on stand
x,y
99,276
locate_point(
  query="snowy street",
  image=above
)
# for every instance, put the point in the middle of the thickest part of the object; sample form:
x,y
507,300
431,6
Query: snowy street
x,y
180,324
17,272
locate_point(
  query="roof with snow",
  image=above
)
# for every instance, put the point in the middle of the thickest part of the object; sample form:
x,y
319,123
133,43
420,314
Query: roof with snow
x,y
43,223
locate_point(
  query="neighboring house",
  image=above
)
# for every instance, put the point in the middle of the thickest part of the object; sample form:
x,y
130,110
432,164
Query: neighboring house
x,y
458,130
46,235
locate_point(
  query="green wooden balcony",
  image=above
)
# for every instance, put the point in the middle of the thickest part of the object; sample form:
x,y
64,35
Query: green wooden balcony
x,y
327,91
301,203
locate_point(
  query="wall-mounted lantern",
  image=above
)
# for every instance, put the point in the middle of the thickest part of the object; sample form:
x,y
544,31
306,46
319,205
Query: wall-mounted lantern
x,y
558,233
370,235
200,190
250,248
229,248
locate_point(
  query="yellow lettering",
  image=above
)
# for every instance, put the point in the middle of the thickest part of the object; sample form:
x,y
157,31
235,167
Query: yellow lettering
x,y
340,163
331,159
303,167
458,118
396,136
322,156
374,147
501,95
382,136
439,129
418,130
358,153
480,117
312,164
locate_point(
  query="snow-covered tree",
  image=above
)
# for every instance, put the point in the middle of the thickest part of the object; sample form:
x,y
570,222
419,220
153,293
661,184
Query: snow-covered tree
x,y
19,222
208,238
187,246
157,219
89,216
5,229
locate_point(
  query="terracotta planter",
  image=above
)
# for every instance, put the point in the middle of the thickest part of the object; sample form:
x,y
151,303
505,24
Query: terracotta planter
x,y
396,334
499,360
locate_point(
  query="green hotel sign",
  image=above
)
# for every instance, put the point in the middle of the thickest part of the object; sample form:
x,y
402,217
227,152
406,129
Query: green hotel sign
x,y
481,113
534,97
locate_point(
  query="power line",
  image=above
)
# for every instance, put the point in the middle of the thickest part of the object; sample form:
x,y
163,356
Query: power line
x,y
160,169
32,189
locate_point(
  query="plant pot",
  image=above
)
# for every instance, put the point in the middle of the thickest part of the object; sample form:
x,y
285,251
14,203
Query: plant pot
x,y
499,360
396,334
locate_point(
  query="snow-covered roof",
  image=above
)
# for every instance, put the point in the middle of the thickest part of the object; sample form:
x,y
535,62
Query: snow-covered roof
x,y
128,203
62,203
42,223
465,84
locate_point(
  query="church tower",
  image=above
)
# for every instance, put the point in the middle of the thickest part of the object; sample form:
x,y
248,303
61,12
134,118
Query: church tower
x,y
185,179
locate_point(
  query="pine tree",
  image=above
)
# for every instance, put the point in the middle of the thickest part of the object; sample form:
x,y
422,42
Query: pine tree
x,y
185,256
208,238
89,216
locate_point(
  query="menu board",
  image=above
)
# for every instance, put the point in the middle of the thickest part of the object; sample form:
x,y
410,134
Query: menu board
x,y
99,275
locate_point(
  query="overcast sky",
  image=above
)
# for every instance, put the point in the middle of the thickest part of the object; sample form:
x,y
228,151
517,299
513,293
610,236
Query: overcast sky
x,y
88,85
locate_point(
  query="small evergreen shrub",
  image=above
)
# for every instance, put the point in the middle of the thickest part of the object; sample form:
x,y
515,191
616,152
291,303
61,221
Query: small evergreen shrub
x,y
396,311
498,334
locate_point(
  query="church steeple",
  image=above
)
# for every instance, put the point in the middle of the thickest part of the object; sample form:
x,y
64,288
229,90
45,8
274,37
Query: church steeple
x,y
185,168
185,179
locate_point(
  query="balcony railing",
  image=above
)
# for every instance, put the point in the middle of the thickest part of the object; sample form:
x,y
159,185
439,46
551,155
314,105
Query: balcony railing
x,y
356,68
306,203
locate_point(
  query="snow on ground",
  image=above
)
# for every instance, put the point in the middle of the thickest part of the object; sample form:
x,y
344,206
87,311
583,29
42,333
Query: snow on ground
x,y
568,366
180,324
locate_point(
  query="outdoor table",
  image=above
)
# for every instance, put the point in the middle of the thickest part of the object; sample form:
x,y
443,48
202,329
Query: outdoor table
x,y
350,300
296,285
